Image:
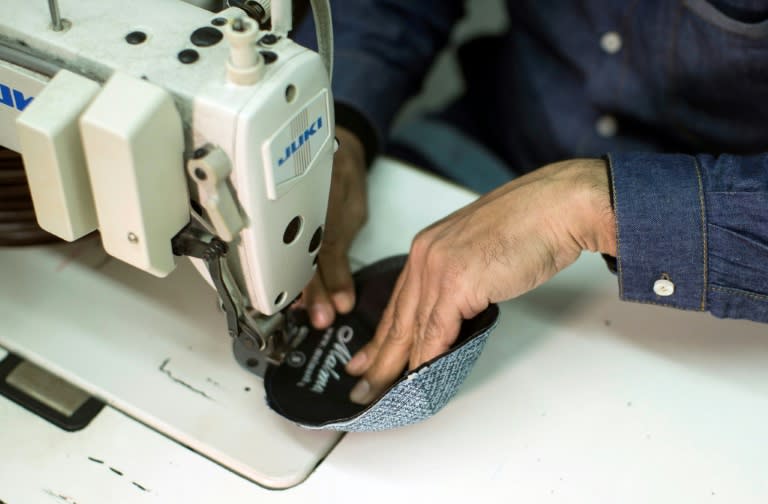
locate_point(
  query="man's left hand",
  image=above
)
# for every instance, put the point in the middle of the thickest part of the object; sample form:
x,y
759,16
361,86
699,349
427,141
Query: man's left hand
x,y
331,290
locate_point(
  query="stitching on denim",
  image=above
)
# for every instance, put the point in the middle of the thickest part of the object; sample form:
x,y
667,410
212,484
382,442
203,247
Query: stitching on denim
x,y
704,254
665,305
619,269
726,290
736,193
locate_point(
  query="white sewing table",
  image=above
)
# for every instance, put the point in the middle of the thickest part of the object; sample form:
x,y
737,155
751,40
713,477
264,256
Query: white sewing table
x,y
577,398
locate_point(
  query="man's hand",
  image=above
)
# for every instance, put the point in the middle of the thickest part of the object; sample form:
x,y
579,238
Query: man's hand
x,y
499,247
331,290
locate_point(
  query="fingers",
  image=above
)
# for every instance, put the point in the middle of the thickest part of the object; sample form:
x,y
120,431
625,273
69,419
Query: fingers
x,y
333,262
331,290
389,351
366,356
317,302
391,358
421,321
437,335
399,346
337,278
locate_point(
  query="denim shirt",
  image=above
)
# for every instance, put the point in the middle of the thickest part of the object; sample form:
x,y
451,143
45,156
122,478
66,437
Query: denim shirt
x,y
673,93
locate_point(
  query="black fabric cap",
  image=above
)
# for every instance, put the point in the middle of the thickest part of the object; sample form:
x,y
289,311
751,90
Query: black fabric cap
x,y
311,386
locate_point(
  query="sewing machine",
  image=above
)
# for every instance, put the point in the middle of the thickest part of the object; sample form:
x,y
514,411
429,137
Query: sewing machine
x,y
175,130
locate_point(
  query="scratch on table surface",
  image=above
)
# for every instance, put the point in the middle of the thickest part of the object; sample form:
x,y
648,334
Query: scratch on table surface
x,y
115,471
60,497
140,487
184,384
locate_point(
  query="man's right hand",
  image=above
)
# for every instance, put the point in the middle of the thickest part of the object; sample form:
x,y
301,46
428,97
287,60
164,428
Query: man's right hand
x,y
500,246
331,290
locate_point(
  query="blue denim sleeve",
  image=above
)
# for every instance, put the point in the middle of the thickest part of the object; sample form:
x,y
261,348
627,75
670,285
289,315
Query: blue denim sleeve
x,y
692,231
383,49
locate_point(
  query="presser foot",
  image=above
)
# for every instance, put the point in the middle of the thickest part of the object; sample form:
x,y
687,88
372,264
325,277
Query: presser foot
x,y
283,335
258,340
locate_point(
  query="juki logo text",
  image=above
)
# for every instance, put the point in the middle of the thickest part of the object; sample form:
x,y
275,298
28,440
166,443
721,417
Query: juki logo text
x,y
302,139
14,98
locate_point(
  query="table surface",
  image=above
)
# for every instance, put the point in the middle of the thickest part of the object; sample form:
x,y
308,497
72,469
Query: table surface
x,y
577,397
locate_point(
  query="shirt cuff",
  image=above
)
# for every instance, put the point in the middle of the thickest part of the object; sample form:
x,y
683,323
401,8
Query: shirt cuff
x,y
660,221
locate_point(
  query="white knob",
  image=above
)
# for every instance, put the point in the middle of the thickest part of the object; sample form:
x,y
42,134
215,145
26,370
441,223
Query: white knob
x,y
245,65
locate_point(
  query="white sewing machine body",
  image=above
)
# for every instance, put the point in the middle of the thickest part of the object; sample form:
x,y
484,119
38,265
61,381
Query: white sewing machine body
x,y
175,130
156,104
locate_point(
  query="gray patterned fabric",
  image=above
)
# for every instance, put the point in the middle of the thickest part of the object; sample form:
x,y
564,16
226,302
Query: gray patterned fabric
x,y
419,394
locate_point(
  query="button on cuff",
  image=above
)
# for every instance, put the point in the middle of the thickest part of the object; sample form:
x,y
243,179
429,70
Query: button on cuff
x,y
663,287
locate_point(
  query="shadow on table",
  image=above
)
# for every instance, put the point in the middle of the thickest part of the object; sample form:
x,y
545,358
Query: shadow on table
x,y
734,351
184,293
526,323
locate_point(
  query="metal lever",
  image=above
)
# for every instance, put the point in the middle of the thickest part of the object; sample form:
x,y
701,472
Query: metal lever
x,y
210,169
195,242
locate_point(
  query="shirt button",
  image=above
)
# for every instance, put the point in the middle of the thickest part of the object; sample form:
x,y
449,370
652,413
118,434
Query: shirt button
x,y
663,287
611,42
606,126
